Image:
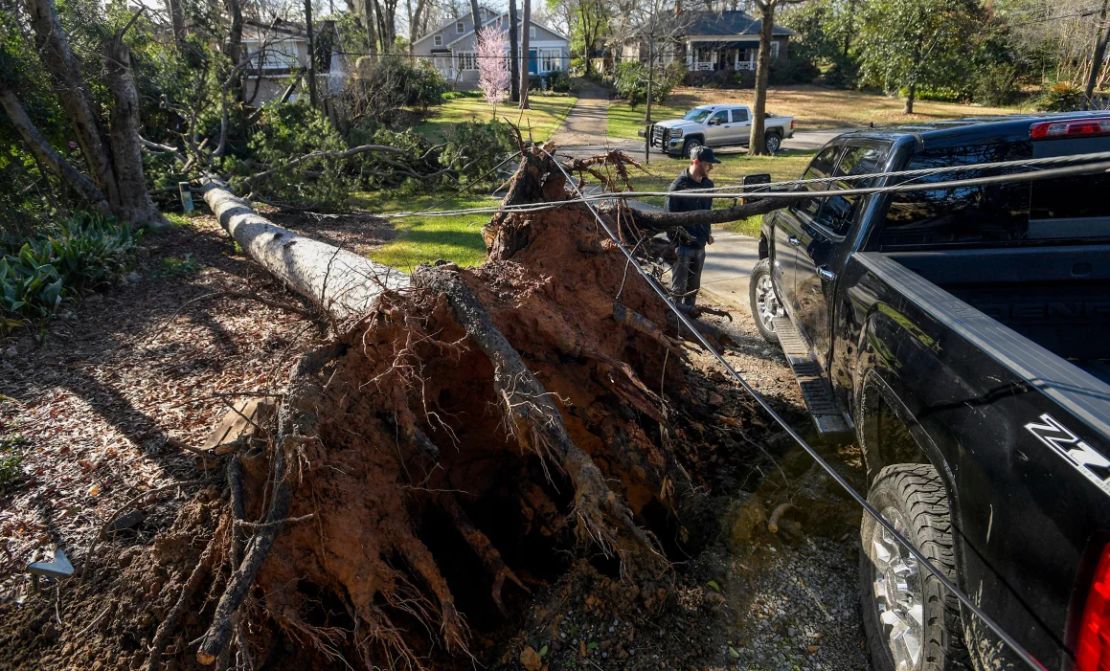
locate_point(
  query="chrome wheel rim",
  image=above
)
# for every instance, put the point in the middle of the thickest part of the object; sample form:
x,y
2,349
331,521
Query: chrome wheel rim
x,y
773,144
767,303
896,588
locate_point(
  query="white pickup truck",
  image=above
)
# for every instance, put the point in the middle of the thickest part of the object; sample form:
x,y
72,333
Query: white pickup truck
x,y
721,125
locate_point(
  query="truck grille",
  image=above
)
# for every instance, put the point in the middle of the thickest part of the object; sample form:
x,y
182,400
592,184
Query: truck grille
x,y
659,136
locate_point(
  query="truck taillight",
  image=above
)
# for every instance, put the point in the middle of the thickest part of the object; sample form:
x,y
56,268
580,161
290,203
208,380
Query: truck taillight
x,y
1092,652
1052,130
793,124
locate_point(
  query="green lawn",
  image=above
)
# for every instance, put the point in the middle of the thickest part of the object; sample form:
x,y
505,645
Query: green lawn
x,y
428,239
814,108
544,117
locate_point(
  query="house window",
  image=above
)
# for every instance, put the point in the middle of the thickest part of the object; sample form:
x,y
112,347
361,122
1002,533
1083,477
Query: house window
x,y
467,60
531,32
279,55
774,49
551,61
459,27
438,39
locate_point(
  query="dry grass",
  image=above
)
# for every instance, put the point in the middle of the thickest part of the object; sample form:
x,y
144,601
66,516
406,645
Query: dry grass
x,y
815,107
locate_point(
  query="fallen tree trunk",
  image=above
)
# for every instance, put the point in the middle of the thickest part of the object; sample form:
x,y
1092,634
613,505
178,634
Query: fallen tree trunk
x,y
338,282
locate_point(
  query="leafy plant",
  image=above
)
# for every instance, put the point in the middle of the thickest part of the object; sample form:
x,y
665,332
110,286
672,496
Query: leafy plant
x,y
81,253
287,131
10,459
1061,97
631,80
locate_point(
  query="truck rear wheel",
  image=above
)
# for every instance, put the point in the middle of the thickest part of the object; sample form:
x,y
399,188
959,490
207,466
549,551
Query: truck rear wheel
x,y
912,622
772,142
764,301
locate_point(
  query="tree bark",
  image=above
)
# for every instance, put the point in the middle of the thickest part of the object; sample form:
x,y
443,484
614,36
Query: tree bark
x,y
514,55
1101,40
759,106
73,95
235,45
476,16
46,155
311,46
340,283
177,19
135,204
525,55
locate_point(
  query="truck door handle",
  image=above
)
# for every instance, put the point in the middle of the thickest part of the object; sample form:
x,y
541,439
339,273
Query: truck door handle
x,y
824,273
794,241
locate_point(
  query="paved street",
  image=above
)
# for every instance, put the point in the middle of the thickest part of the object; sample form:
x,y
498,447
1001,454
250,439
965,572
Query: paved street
x,y
728,264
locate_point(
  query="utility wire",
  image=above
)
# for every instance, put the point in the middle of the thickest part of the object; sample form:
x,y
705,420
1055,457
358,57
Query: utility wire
x,y
1020,650
1101,163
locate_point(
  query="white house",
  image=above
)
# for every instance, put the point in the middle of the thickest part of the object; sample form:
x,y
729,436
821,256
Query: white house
x,y
277,55
451,48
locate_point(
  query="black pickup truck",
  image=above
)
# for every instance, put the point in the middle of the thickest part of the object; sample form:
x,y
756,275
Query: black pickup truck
x,y
962,336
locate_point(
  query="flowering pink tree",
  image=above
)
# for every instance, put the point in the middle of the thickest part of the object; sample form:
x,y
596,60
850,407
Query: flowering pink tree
x,y
493,66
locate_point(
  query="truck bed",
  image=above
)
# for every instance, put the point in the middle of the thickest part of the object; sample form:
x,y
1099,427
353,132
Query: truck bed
x,y
1058,297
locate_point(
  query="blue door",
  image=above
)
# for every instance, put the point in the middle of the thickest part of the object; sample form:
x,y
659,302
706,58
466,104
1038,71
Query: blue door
x,y
533,62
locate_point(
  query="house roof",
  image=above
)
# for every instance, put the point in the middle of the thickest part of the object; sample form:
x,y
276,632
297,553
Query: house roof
x,y
450,22
505,16
729,23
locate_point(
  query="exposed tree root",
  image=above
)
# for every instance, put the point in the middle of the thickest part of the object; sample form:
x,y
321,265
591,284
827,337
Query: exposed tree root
x,y
453,436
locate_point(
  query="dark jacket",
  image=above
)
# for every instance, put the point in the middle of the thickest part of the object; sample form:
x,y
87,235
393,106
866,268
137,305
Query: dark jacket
x,y
699,232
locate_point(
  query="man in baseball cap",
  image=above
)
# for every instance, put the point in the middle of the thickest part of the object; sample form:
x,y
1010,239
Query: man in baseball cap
x,y
686,272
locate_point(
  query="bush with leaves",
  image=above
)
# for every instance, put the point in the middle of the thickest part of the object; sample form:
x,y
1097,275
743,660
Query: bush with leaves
x,y
84,252
379,89
631,80
288,131
475,150
1061,97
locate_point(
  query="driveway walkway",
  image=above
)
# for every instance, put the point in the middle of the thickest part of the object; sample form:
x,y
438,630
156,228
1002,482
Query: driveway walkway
x,y
728,264
588,121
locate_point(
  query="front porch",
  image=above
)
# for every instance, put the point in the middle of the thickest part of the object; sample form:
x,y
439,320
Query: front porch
x,y
717,55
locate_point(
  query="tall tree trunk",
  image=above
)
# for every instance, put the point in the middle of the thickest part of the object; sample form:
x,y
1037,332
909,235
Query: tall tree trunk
x,y
762,70
135,204
525,54
514,55
476,16
1101,39
371,26
114,159
311,46
235,45
45,154
72,94
177,19
584,26
647,106
911,94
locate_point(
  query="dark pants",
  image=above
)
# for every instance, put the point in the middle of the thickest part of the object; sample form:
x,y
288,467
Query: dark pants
x,y
686,274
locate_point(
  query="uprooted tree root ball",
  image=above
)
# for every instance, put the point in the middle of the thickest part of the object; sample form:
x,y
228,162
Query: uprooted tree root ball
x,y
459,447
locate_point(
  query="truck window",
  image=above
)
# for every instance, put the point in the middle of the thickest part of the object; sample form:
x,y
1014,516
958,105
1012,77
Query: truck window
x,y
1071,208
821,166
739,115
719,117
838,212
962,215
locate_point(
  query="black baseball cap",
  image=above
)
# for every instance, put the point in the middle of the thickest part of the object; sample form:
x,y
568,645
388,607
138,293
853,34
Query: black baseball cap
x,y
703,154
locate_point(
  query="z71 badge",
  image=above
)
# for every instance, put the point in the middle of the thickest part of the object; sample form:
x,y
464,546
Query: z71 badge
x,y
1078,453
